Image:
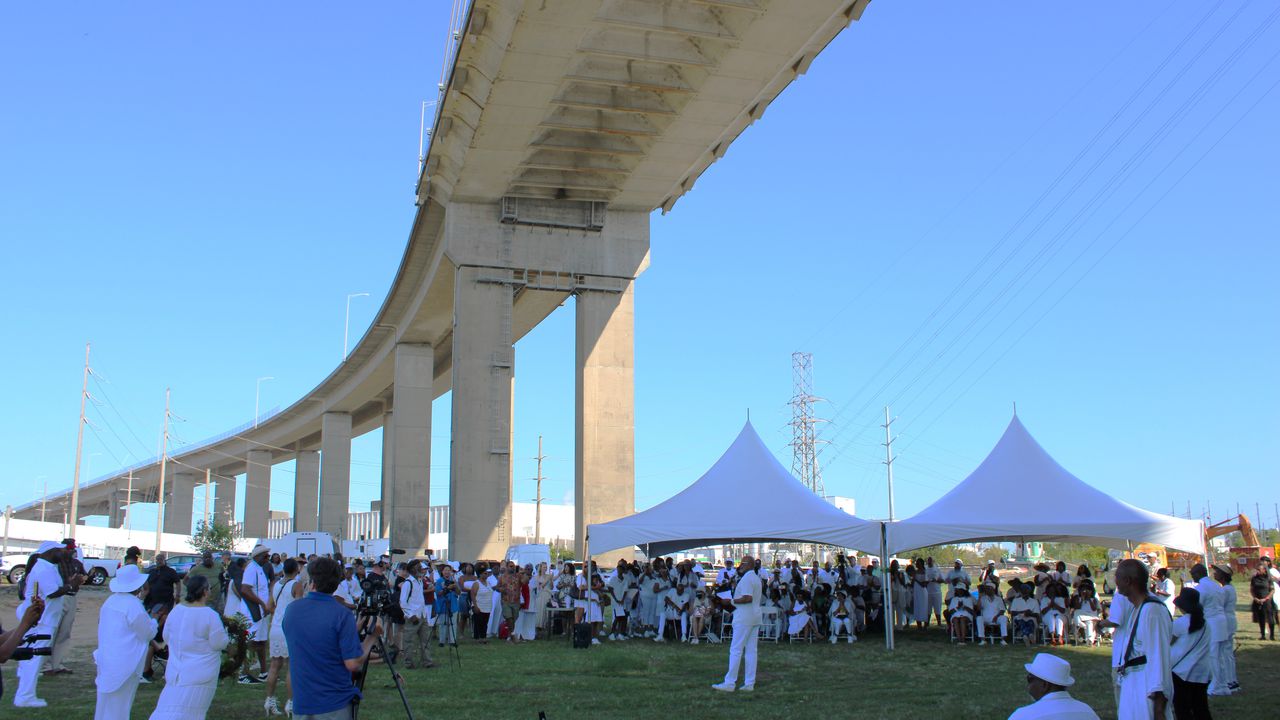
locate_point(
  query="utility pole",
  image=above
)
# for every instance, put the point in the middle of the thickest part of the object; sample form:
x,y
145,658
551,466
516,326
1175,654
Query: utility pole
x,y
75,480
8,513
886,581
888,457
537,512
44,499
207,474
164,452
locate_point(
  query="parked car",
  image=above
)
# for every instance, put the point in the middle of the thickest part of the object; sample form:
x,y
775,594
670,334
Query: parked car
x,y
13,567
180,563
100,570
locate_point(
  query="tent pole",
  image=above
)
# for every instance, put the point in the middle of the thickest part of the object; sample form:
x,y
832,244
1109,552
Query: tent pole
x,y
886,612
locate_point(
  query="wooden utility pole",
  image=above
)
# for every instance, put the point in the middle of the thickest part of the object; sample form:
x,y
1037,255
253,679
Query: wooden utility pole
x,y
164,452
75,480
537,511
128,507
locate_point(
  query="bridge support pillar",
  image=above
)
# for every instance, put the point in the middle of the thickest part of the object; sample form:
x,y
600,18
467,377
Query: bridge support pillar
x,y
178,506
306,492
257,493
483,371
388,474
224,498
410,483
604,466
335,472
116,505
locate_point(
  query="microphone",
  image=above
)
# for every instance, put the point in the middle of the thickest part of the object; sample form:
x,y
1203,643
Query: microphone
x,y
397,551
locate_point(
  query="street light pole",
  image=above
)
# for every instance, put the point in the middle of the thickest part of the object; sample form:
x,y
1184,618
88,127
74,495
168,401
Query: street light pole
x,y
346,328
75,481
257,394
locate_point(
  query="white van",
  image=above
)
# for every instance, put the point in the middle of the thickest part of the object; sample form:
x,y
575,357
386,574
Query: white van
x,y
301,543
530,554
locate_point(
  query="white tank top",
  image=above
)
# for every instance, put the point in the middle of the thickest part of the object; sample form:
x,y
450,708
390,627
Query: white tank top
x,y
283,597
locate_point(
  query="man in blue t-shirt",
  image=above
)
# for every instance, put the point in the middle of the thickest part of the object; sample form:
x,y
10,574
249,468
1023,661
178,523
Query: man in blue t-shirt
x,y
324,648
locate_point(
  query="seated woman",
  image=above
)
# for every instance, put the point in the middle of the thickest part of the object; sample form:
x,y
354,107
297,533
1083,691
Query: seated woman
x,y
1025,612
1053,612
1083,574
1086,611
822,609
800,617
843,615
991,614
960,610
699,612
675,607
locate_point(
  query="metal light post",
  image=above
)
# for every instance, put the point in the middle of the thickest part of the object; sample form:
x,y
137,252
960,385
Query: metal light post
x,y
346,328
257,395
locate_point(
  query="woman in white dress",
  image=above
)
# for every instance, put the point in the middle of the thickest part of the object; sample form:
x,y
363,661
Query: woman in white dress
x,y
196,637
920,595
800,618
1053,613
125,631
287,589
961,609
1086,612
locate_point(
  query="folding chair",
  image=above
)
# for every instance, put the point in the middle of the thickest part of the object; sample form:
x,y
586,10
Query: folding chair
x,y
969,636
769,624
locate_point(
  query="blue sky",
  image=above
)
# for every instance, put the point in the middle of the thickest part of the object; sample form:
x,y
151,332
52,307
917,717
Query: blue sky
x,y
195,190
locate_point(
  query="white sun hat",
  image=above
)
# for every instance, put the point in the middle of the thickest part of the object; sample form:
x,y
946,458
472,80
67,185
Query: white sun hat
x,y
1052,669
128,579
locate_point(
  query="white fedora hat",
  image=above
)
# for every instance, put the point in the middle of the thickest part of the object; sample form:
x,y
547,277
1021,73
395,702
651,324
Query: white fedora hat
x,y
1052,669
128,579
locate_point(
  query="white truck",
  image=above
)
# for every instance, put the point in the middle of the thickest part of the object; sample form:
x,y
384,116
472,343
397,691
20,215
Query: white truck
x,y
301,543
530,554
367,550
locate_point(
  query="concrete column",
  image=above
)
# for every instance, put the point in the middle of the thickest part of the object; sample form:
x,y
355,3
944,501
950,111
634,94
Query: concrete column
x,y
335,472
178,506
604,467
410,483
306,492
480,466
257,493
224,498
116,504
387,498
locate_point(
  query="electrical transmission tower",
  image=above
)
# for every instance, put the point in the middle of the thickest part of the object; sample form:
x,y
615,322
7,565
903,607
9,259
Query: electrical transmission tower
x,y
804,433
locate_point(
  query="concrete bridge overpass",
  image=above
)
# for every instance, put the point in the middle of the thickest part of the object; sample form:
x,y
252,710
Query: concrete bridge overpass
x,y
562,126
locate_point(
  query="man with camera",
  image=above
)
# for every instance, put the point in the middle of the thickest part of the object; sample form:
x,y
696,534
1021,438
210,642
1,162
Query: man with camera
x,y
324,648
9,641
43,582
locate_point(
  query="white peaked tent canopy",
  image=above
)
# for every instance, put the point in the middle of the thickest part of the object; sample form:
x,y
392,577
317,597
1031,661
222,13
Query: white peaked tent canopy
x,y
1020,493
746,497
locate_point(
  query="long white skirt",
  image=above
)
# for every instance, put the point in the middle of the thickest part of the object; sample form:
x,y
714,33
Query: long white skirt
x,y
184,702
117,704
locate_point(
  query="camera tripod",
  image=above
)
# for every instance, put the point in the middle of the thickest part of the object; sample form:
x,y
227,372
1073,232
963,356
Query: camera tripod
x,y
366,625
446,620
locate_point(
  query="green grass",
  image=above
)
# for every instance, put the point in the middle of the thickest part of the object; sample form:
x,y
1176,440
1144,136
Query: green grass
x,y
924,678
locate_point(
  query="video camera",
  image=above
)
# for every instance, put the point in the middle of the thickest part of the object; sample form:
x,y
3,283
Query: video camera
x,y
376,599
26,653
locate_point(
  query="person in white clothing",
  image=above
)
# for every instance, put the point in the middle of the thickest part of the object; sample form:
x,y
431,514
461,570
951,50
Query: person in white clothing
x,y
991,614
676,606
1222,574
1086,612
933,580
1192,668
746,620
255,594
1048,678
1144,664
196,637
287,589
417,618
1212,599
957,574
844,613
1163,588
125,631
42,581
960,611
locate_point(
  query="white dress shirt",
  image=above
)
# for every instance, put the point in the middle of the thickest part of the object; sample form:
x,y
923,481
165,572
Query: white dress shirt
x,y
124,632
748,614
1056,705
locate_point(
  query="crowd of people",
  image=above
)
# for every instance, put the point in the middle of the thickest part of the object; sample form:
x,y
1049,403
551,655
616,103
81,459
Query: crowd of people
x,y
423,603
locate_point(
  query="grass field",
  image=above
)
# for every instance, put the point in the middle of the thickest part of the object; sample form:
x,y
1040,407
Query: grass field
x,y
924,678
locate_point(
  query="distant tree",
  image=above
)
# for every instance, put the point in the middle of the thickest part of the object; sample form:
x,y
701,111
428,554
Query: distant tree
x,y
994,552
1076,554
214,537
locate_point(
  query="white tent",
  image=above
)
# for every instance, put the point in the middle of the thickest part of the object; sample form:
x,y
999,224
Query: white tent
x,y
1020,493
746,497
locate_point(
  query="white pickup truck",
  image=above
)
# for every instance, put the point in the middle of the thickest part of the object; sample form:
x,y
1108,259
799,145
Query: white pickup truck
x,y
14,568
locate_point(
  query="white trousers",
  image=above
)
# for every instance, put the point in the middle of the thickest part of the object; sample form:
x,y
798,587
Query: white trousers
x,y
29,670
1088,624
1134,703
1222,663
935,602
495,617
1002,622
684,624
62,641
745,640
837,624
1054,623
117,704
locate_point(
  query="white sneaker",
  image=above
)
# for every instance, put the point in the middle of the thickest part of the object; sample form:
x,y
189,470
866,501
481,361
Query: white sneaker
x,y
595,641
746,688
288,708
38,703
613,636
271,707
833,639
1002,642
723,687
693,641
853,639
659,639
